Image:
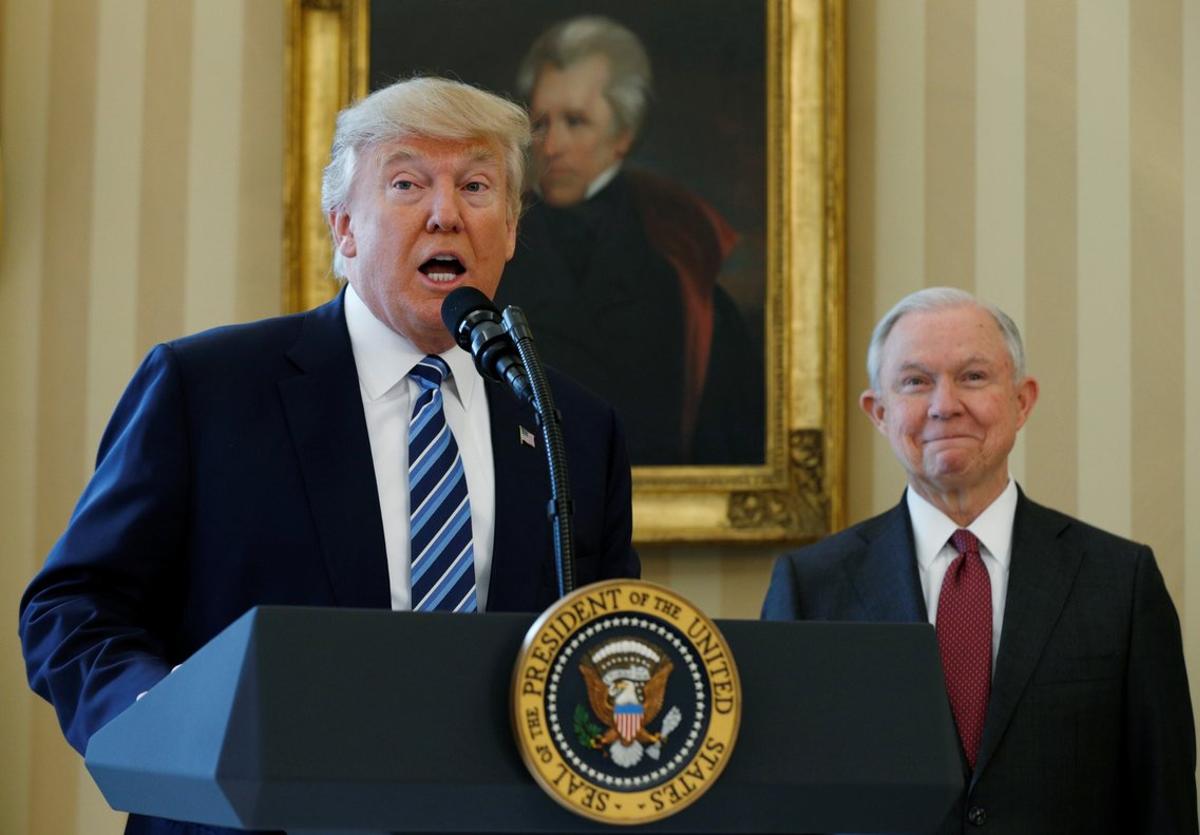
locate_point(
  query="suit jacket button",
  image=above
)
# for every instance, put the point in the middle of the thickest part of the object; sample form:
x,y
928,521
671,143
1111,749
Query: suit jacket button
x,y
977,815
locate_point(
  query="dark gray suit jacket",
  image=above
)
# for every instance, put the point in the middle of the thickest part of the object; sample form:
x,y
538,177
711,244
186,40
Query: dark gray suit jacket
x,y
1089,727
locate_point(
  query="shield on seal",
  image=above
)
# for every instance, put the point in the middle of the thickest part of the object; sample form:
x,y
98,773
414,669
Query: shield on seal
x,y
629,720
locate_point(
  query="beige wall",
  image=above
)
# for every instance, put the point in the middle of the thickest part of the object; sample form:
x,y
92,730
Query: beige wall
x,y
1033,152
142,186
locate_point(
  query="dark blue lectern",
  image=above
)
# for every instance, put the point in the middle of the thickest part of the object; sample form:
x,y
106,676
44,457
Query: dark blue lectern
x,y
348,720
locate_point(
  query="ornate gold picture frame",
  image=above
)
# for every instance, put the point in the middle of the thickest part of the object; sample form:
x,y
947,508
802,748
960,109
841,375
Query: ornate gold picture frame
x,y
797,492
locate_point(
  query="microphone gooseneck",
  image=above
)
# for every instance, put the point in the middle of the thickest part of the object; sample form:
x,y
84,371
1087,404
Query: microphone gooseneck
x,y
560,509
503,349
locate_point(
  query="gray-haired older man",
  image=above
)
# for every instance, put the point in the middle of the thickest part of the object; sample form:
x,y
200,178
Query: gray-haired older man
x,y
1061,649
634,254
346,456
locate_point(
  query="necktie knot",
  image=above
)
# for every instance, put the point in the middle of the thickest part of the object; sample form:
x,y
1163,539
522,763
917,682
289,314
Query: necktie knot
x,y
430,372
964,542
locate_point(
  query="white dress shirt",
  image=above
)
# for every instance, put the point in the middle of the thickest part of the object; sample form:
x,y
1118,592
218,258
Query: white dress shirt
x,y
994,528
605,177
384,358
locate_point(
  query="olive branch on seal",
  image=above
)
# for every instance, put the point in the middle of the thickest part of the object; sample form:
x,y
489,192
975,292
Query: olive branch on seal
x,y
586,731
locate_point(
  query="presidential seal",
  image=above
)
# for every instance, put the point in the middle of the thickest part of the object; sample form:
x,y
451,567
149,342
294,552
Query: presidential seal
x,y
625,702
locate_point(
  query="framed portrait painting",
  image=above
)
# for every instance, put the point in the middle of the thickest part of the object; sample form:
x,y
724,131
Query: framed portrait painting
x,y
680,248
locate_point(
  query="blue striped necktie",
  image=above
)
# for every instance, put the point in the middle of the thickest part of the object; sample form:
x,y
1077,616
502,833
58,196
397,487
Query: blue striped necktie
x,y
443,560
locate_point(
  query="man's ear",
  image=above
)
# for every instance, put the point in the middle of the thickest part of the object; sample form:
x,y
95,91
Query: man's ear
x,y
510,241
624,143
872,404
343,235
1027,395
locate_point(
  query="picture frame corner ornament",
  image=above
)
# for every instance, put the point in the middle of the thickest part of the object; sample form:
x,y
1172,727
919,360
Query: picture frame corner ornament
x,y
802,510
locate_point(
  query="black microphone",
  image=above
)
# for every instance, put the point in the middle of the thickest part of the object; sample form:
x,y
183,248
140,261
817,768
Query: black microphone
x,y
474,322
503,350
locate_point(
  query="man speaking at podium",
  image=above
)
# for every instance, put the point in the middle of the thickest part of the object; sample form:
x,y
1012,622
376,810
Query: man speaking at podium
x,y
1060,647
347,456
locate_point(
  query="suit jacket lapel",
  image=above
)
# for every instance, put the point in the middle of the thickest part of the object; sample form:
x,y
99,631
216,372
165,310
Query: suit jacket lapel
x,y
1041,574
886,578
324,412
520,470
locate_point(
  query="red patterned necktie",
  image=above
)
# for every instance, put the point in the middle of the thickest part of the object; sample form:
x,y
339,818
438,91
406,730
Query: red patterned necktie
x,y
964,631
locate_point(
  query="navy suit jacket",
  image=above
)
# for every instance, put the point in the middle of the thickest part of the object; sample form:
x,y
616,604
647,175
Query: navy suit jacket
x,y
237,471
1089,727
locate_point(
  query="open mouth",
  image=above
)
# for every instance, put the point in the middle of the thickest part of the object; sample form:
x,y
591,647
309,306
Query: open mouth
x,y
442,268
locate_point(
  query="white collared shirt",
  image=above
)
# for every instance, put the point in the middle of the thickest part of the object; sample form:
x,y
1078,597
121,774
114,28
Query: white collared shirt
x,y
384,359
605,177
994,528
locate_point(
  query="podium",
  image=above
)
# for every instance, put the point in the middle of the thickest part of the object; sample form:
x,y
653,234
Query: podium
x,y
341,720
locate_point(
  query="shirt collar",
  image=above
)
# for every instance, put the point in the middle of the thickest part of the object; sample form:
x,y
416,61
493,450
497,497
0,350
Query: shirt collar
x,y
993,527
606,177
384,357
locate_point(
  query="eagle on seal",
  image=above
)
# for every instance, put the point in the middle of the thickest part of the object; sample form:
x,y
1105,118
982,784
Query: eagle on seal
x,y
626,684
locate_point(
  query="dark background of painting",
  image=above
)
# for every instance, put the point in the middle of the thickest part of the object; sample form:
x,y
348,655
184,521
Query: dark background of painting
x,y
706,123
